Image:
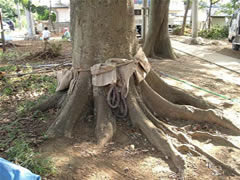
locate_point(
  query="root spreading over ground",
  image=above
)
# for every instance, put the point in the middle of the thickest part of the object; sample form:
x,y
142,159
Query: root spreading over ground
x,y
155,108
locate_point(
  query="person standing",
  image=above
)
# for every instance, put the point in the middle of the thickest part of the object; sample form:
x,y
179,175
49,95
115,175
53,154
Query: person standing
x,y
45,36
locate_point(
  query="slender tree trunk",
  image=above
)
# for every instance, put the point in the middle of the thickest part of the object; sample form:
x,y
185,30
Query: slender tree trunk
x,y
50,16
157,42
19,16
209,15
30,23
185,18
194,22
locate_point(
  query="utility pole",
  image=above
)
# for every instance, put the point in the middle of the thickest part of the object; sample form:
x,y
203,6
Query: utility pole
x,y
194,21
145,19
2,33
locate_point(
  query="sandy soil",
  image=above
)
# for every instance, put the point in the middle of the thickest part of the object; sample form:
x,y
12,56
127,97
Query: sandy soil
x,y
130,155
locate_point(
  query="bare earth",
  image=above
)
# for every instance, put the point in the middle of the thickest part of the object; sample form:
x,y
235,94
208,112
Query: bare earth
x,y
130,155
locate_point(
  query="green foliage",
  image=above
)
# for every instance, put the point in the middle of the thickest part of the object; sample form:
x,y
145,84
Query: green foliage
x,y
25,107
53,17
231,7
21,153
7,91
216,32
8,56
8,68
42,12
177,30
54,49
8,9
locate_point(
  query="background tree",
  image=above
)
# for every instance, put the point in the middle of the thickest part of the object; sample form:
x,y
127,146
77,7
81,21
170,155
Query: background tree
x,y
18,4
211,3
8,9
106,29
157,43
230,7
188,6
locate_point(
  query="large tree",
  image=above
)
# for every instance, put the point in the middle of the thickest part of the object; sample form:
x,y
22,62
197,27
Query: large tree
x,y
105,30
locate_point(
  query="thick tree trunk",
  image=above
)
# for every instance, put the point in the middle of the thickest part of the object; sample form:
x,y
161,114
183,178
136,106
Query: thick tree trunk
x,y
98,34
185,17
102,30
157,42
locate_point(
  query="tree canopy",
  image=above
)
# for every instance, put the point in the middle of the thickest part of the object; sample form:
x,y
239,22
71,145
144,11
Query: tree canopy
x,y
231,7
8,9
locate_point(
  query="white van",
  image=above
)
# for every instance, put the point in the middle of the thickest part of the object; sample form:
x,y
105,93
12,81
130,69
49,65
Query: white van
x,y
234,31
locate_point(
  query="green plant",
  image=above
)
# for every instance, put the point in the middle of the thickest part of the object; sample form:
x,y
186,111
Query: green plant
x,y
54,49
21,153
8,68
177,30
7,91
8,56
25,107
216,32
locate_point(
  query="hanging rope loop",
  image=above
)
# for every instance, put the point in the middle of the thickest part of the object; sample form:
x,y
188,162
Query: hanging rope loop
x,y
117,101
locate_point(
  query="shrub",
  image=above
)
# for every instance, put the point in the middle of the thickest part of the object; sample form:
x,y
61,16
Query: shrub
x,y
177,30
216,32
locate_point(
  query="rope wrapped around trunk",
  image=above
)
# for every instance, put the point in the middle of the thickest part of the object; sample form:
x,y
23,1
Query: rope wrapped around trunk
x,y
115,72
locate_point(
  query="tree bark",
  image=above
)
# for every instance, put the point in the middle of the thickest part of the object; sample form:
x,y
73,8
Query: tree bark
x,y
185,17
98,34
209,15
30,23
157,42
19,15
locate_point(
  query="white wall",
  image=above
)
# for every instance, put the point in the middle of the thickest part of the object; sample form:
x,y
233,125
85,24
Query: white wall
x,y
63,14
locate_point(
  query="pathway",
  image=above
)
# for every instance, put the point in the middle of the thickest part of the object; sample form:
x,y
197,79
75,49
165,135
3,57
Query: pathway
x,y
224,61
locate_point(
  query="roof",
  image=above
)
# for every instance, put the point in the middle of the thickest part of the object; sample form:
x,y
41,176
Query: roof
x,y
58,5
220,15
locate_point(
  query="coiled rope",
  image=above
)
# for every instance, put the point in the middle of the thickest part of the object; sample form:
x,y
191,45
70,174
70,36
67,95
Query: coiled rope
x,y
117,101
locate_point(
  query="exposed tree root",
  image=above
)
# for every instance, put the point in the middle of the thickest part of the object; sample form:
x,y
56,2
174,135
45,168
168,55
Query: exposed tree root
x,y
186,148
180,144
54,101
155,135
106,123
220,140
75,107
226,168
164,108
175,95
144,104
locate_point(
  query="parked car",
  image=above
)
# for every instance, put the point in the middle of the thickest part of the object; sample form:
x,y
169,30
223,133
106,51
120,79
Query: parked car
x,y
11,24
234,31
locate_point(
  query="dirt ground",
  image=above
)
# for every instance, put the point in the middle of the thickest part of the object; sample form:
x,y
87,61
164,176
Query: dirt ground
x,y
130,156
